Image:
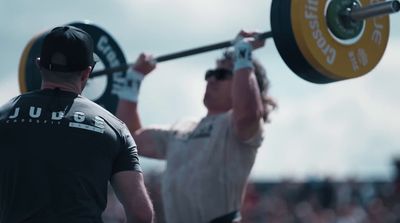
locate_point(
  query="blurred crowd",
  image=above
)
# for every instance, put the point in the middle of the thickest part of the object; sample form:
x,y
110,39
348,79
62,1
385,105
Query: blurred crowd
x,y
312,201
322,201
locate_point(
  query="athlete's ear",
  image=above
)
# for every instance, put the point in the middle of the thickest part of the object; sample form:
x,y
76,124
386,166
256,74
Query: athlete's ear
x,y
86,73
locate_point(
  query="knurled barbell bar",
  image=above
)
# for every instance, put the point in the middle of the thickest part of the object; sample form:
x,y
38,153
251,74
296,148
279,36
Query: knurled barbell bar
x,y
320,41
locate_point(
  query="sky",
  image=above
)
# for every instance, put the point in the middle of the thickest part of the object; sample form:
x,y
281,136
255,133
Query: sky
x,y
346,129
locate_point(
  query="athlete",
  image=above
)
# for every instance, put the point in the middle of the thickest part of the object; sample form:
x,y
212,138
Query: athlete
x,y
208,160
59,150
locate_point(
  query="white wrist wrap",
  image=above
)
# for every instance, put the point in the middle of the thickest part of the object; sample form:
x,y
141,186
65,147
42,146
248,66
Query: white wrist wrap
x,y
242,58
128,88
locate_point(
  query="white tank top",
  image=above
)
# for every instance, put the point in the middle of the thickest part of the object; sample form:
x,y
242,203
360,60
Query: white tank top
x,y
207,168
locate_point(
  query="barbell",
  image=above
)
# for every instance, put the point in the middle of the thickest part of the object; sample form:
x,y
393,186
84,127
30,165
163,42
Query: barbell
x,y
320,41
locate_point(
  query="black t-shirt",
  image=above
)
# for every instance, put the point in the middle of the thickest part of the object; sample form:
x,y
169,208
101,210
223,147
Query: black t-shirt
x,y
57,152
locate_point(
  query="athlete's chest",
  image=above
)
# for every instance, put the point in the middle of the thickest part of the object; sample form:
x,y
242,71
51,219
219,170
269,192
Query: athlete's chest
x,y
202,144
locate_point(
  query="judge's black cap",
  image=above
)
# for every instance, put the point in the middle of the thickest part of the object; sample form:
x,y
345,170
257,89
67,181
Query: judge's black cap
x,y
67,49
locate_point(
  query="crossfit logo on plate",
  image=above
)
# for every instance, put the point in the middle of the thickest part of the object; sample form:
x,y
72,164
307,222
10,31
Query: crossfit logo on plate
x,y
311,14
103,45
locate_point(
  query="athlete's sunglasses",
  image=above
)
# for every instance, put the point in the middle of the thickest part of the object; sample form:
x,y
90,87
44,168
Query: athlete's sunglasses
x,y
219,74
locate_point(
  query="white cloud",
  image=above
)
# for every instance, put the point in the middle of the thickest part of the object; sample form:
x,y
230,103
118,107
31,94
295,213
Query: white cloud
x,y
9,88
345,128
172,92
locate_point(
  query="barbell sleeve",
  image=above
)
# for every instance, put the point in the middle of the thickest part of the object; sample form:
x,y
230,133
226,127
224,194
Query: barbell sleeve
x,y
176,55
383,8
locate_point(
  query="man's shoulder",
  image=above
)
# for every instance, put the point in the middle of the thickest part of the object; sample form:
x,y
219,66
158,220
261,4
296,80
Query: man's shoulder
x,y
101,111
7,107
